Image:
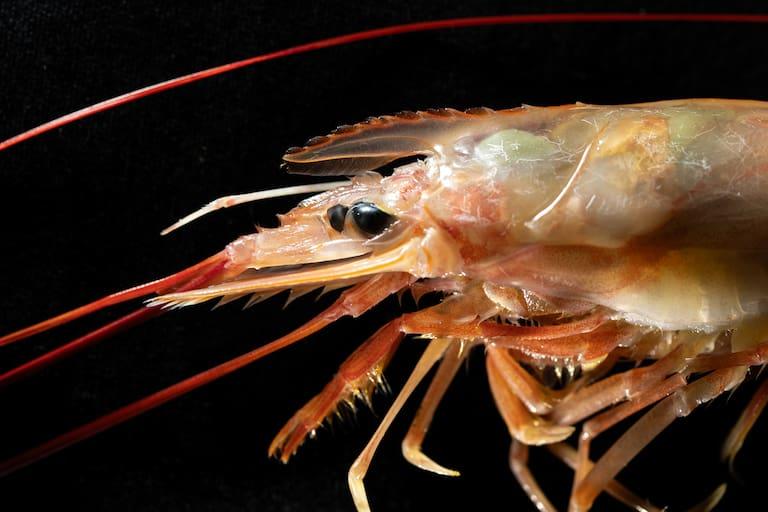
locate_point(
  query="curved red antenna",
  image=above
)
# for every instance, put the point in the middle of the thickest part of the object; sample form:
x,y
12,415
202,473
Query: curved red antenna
x,y
424,26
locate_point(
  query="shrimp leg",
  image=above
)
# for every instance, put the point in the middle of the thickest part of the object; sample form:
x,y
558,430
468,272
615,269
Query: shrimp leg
x,y
413,440
592,340
537,398
521,423
431,355
357,377
518,463
738,433
592,428
570,458
708,362
678,405
751,357
619,387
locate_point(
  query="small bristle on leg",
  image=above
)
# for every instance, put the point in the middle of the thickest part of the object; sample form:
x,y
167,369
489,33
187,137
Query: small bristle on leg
x,y
356,379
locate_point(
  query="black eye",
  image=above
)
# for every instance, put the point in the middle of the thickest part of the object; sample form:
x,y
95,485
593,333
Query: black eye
x,y
336,216
371,219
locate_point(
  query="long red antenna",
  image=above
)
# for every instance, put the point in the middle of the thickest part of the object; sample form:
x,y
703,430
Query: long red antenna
x,y
159,398
425,26
330,315
157,286
201,275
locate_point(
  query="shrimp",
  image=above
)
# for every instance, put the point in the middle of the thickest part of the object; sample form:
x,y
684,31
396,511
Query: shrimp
x,y
564,240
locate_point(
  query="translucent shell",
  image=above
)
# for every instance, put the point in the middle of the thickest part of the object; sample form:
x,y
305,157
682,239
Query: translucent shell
x,y
657,210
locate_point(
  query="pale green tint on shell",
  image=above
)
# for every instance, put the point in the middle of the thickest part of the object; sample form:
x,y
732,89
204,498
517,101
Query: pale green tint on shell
x,y
510,146
689,125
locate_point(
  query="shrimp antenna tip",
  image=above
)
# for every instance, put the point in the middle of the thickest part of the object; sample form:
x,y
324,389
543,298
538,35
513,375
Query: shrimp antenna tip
x,y
227,201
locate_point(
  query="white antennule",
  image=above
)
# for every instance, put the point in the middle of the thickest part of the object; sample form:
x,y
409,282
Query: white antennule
x,y
227,201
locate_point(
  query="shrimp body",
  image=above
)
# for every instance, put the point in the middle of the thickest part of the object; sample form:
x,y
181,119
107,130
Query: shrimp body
x,y
563,239
632,231
654,210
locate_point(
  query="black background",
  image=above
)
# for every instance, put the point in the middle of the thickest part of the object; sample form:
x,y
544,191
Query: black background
x,y
82,207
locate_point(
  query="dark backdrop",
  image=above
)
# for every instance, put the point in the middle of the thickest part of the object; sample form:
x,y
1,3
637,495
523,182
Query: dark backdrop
x,y
82,207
